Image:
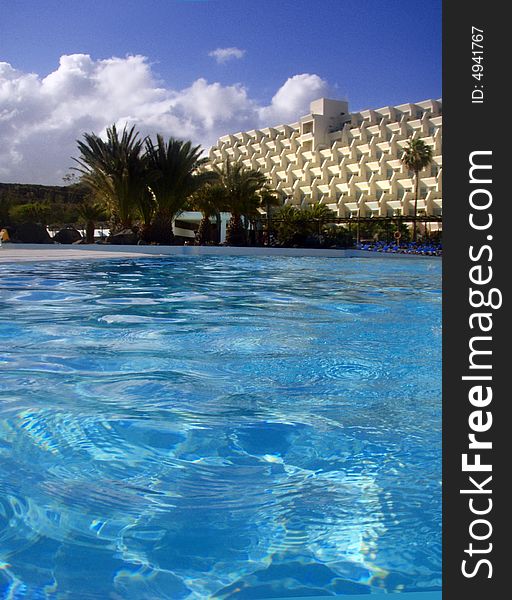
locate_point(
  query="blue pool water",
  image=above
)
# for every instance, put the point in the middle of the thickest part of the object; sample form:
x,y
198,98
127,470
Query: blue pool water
x,y
208,427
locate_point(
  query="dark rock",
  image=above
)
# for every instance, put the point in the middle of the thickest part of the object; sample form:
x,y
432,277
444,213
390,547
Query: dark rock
x,y
124,237
32,233
67,235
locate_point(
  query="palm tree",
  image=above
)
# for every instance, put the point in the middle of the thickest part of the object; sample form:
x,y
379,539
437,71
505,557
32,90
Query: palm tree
x,y
319,211
318,214
290,225
91,213
268,199
241,186
416,157
114,170
210,200
146,207
297,224
174,177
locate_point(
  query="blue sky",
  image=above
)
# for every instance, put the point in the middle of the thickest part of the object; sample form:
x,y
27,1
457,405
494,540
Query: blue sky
x,y
371,52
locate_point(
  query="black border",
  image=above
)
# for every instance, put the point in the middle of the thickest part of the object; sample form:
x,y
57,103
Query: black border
x,y
471,127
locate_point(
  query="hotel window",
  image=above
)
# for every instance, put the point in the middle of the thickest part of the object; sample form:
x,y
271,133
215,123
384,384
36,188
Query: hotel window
x,y
307,127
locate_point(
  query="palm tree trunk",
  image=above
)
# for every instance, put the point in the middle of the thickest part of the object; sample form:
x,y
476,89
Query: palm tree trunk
x,y
235,234
115,223
269,219
416,193
161,231
219,224
204,231
145,232
89,232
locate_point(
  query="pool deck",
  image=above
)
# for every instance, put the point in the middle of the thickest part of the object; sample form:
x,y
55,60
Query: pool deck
x,y
16,253
24,253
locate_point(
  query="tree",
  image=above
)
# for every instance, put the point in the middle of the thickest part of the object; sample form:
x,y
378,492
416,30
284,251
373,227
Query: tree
x,y
147,209
268,199
210,200
241,186
318,213
115,171
70,179
6,205
91,213
296,225
174,176
33,212
383,231
416,157
290,225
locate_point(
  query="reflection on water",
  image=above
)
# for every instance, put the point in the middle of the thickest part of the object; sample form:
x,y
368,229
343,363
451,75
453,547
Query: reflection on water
x,y
220,427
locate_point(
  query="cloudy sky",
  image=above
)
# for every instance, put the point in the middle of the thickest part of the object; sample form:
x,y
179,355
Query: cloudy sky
x,y
197,69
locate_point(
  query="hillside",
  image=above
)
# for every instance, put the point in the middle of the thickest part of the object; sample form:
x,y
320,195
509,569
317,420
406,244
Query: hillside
x,y
47,204
27,193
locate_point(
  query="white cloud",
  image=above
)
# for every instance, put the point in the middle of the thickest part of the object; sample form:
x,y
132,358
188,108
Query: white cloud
x,y
42,117
222,55
293,98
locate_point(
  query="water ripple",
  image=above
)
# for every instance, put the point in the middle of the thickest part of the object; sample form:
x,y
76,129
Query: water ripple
x,y
219,427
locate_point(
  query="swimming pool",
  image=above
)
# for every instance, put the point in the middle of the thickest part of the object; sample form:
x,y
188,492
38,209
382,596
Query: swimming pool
x,y
226,427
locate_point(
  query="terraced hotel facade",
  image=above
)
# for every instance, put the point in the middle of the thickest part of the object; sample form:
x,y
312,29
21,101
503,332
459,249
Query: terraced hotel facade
x,y
349,161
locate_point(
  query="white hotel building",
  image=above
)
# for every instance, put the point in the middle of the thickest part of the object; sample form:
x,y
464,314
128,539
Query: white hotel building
x,y
349,161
